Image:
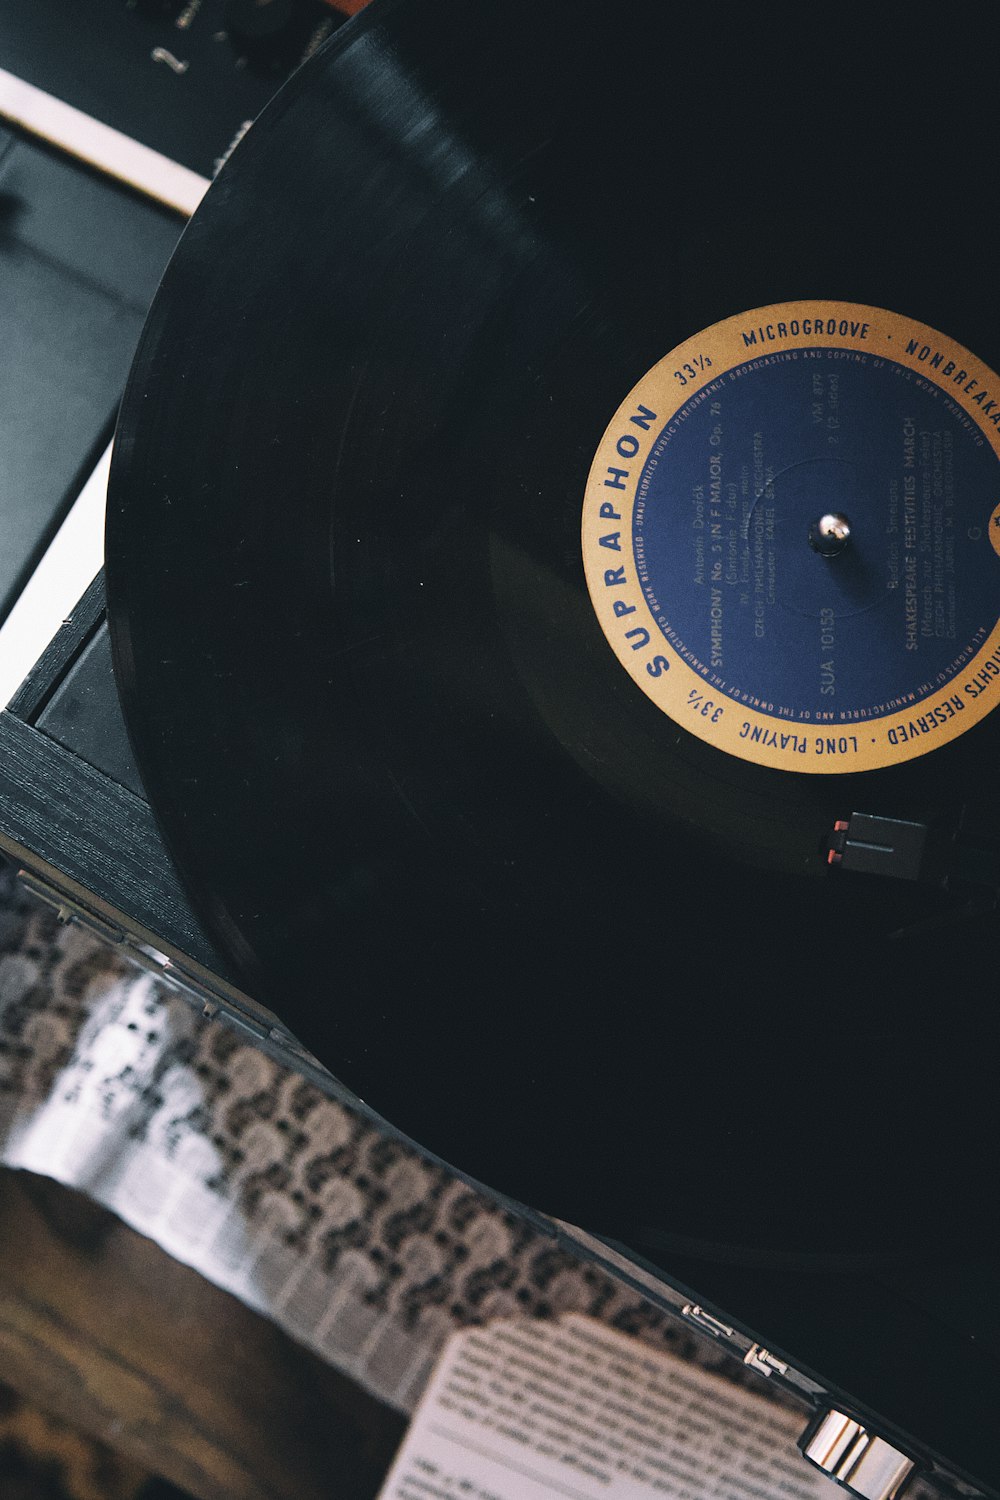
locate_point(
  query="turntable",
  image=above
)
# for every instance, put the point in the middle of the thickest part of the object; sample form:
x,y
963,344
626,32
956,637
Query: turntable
x,y
552,591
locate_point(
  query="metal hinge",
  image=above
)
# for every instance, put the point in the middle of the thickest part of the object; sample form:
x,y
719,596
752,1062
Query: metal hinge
x,y
703,1320
866,1464
763,1361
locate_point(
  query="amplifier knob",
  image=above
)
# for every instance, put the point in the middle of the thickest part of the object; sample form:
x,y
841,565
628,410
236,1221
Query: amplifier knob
x,y
861,1461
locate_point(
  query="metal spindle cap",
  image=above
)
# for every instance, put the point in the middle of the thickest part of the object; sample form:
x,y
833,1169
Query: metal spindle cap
x,y
830,534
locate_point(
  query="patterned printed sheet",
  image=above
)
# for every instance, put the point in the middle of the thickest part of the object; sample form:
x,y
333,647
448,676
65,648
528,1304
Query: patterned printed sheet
x,y
351,1241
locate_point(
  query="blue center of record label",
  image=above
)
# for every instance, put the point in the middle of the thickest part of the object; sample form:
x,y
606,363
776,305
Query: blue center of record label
x,y
725,503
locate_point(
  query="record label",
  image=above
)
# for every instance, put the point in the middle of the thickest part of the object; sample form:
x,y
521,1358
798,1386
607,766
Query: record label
x,y
791,535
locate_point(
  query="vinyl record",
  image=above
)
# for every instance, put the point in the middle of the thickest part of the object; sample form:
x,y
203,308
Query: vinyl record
x,y
544,508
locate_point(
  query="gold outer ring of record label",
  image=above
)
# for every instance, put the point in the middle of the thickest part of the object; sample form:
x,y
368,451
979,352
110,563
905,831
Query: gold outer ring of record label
x,y
742,729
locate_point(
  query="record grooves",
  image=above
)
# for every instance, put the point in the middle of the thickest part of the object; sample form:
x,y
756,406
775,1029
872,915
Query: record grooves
x,y
558,935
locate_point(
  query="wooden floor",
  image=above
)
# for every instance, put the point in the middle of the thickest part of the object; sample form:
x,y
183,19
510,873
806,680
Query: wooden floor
x,y
103,1330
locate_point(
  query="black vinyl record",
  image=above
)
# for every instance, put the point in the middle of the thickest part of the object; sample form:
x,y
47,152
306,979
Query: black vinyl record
x,y
537,918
